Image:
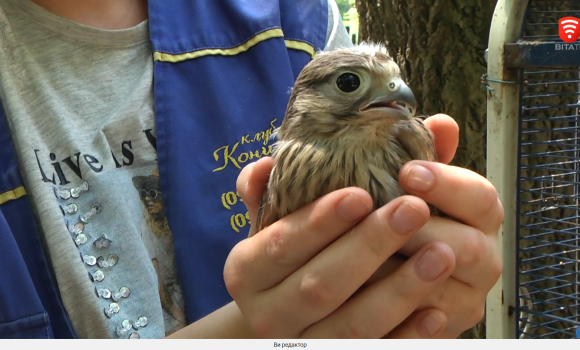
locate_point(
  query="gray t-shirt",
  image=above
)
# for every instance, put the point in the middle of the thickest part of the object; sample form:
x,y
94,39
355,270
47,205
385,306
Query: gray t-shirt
x,y
79,102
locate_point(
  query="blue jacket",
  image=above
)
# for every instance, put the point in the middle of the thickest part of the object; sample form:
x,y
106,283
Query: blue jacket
x,y
222,74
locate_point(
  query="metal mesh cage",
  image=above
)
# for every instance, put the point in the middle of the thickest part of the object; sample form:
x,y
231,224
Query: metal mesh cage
x,y
548,217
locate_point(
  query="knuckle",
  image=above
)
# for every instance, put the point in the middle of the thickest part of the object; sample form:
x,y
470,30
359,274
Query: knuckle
x,y
473,251
276,247
496,268
264,326
488,203
374,240
447,302
233,279
350,330
498,218
314,291
234,273
318,220
234,282
478,253
404,289
476,315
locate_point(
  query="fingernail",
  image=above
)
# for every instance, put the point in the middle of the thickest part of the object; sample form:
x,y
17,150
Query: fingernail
x,y
431,264
351,208
430,325
419,178
405,219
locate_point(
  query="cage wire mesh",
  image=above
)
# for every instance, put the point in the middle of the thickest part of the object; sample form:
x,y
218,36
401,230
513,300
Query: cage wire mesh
x,y
548,241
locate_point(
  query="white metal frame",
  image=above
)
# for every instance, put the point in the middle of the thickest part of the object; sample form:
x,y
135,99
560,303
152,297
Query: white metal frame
x,y
502,153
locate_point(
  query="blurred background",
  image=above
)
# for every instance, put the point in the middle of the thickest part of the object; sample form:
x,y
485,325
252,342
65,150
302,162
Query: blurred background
x,y
349,15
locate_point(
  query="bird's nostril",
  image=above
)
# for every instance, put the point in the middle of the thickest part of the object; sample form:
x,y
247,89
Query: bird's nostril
x,y
402,104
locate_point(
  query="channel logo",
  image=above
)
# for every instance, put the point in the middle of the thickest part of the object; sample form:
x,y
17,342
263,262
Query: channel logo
x,y
569,29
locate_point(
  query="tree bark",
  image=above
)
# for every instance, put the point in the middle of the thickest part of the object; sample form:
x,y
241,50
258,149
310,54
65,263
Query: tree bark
x,y
439,46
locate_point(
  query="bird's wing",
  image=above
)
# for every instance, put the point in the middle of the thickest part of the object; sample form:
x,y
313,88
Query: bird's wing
x,y
427,135
266,216
257,223
417,140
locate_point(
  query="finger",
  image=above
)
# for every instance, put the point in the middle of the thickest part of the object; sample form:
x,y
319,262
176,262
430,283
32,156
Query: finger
x,y
425,324
460,193
251,184
446,133
463,305
381,307
477,261
266,259
388,267
335,274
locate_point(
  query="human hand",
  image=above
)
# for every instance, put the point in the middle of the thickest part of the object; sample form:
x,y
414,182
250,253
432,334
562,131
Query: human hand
x,y
297,277
471,200
449,309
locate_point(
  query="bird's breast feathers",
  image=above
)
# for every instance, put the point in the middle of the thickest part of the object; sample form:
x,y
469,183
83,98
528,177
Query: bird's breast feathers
x,y
306,170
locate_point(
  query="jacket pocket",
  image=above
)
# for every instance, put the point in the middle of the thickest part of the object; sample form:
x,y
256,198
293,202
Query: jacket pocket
x,y
32,327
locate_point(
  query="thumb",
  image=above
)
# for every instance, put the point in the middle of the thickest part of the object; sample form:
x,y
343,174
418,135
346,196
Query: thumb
x,y
252,182
446,133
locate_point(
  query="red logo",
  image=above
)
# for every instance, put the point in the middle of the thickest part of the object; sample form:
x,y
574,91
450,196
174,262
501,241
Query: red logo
x,y
569,29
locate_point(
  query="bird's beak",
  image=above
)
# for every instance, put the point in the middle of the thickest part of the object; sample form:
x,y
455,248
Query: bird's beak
x,y
399,103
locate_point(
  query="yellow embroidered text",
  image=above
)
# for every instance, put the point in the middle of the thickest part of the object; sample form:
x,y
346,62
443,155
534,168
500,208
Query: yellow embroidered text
x,y
230,198
227,155
237,221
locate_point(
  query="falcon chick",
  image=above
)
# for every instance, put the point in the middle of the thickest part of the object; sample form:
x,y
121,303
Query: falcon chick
x,y
350,121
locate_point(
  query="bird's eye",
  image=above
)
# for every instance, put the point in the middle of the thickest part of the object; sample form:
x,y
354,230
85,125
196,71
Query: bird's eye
x,y
394,85
348,82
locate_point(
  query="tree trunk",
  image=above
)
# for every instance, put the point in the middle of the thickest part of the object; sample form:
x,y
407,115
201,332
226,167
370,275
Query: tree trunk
x,y
440,46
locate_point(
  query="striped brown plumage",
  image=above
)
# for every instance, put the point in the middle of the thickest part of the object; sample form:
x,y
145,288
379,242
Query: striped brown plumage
x,y
331,139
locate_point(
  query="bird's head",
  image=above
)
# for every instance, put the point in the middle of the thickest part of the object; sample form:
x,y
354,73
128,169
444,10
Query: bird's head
x,y
358,86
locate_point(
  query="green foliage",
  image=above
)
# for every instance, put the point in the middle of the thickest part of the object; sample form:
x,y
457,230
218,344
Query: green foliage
x,y
343,6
